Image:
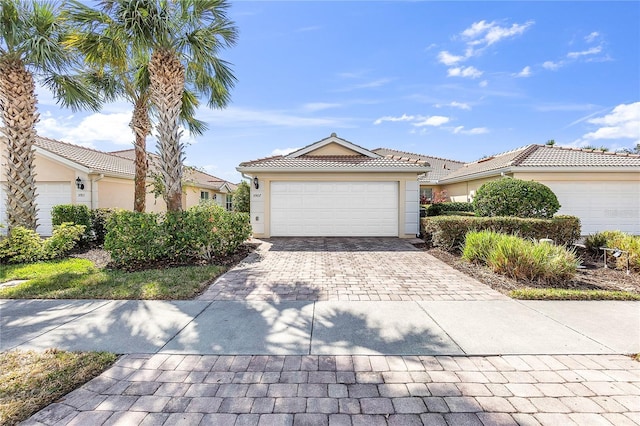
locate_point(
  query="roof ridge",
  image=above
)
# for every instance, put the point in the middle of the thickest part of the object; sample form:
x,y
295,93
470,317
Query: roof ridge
x,y
526,152
490,157
418,155
79,146
597,151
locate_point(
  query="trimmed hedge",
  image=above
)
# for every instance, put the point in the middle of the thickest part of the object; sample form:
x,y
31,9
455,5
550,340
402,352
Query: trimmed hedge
x,y
515,197
448,232
441,208
200,233
25,245
77,214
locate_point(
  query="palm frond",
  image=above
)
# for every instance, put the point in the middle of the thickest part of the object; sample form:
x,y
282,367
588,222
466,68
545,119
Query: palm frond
x,y
74,91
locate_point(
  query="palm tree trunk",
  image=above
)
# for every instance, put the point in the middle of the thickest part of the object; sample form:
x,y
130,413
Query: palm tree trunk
x,y
167,75
141,126
19,115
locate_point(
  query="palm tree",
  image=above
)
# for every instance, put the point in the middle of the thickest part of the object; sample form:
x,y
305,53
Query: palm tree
x,y
185,38
30,46
120,38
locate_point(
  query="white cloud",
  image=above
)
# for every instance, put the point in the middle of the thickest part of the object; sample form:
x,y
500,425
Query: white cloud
x,y
483,83
592,51
526,72
307,29
403,117
319,106
468,72
283,151
473,131
550,65
488,33
454,104
448,59
434,120
623,122
592,37
97,127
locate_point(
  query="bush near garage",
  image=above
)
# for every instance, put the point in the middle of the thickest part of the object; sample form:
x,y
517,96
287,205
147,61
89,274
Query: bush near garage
x,y
448,232
619,240
452,207
515,197
199,234
520,258
78,214
24,245
99,218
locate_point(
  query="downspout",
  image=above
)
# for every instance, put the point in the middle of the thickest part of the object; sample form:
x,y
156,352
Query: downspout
x,y
94,192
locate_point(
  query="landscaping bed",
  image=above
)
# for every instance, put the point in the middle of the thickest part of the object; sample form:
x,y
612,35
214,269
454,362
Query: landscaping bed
x,y
593,277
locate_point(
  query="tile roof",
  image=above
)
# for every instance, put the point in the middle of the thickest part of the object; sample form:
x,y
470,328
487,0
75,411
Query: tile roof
x,y
333,162
544,156
441,166
97,161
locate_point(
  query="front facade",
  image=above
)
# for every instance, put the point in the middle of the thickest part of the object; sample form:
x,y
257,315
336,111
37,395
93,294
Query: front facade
x,y
601,188
72,174
334,188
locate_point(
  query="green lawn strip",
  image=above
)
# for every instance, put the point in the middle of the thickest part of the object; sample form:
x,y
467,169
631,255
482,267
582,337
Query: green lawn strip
x,y
528,293
29,381
80,279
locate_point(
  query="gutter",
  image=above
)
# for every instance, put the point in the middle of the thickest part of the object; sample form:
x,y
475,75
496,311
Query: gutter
x,y
242,170
94,191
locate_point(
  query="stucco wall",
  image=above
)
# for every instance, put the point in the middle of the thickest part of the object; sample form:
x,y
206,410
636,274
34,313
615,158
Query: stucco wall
x,y
261,207
332,149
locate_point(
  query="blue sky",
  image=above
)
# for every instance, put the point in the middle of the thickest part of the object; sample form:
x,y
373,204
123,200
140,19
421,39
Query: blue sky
x,y
457,80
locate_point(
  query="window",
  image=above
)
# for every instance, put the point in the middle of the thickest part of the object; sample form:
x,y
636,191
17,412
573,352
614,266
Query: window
x,y
229,205
426,195
204,195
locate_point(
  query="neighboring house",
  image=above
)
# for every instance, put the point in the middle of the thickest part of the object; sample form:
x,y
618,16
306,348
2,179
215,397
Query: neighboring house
x,y
441,167
72,174
334,188
601,188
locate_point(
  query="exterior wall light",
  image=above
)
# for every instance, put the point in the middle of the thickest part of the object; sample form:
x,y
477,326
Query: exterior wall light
x,y
79,183
256,183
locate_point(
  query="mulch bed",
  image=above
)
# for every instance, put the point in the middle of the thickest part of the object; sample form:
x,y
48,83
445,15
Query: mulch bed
x,y
593,277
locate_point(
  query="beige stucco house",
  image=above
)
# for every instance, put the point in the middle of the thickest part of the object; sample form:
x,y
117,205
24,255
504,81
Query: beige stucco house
x,y
601,188
72,174
334,188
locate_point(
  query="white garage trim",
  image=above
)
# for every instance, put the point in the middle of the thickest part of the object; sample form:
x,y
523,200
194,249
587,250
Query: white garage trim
x,y
312,208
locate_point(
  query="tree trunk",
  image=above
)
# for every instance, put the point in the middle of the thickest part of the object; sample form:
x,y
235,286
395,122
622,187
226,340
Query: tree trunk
x,y
19,115
167,84
141,126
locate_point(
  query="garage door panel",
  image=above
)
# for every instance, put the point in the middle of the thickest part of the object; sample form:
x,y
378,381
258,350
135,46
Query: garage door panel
x,y
600,205
334,208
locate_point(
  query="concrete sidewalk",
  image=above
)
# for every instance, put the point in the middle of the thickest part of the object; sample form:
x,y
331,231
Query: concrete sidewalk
x,y
485,327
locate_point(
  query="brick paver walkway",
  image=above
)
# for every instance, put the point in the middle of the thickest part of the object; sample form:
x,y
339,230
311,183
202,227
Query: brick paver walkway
x,y
356,390
345,269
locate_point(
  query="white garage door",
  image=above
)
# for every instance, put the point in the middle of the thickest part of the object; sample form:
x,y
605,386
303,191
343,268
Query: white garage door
x,y
334,209
601,206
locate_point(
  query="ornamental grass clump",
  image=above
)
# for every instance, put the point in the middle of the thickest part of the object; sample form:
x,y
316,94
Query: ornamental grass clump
x,y
519,258
620,240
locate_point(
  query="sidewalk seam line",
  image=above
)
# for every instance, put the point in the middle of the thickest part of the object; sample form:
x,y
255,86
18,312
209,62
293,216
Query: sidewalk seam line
x,y
313,318
441,328
185,326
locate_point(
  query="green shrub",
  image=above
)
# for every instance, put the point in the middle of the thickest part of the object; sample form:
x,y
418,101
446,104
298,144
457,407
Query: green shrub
x,y
241,198
625,242
200,233
64,239
519,258
448,232
134,238
593,242
25,245
78,214
99,218
515,197
452,207
22,245
434,209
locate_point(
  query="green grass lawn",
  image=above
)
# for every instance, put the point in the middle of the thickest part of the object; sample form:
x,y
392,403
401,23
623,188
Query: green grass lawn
x,y
80,279
29,381
567,294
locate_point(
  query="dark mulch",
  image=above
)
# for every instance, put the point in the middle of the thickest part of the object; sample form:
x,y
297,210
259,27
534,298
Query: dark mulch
x,y
593,277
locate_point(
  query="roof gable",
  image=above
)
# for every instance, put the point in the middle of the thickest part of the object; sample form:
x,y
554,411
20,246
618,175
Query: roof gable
x,y
441,166
334,146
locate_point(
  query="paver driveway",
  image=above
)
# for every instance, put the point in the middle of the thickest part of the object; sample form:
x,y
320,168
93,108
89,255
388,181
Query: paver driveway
x,y
344,269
